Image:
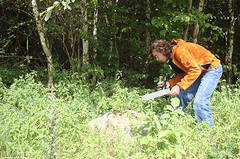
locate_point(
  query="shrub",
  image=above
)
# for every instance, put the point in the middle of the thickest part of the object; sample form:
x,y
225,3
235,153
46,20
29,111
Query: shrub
x,y
23,119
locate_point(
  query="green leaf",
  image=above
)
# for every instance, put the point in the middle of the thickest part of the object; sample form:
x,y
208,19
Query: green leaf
x,y
165,116
56,3
145,140
64,3
95,1
42,13
48,15
175,102
50,8
169,107
163,32
187,19
157,123
163,133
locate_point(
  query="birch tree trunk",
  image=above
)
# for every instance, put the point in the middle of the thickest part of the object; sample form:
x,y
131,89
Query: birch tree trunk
x,y
230,41
196,27
189,6
85,29
44,42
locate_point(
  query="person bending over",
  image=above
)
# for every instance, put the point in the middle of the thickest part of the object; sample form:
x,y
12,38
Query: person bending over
x,y
197,74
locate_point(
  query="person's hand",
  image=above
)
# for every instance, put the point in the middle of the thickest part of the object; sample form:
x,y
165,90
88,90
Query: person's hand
x,y
161,83
174,91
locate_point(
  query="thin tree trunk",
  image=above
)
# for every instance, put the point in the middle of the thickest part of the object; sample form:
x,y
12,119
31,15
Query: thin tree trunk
x,y
45,46
85,29
115,35
44,42
148,39
110,40
95,20
196,27
148,35
230,41
189,6
70,59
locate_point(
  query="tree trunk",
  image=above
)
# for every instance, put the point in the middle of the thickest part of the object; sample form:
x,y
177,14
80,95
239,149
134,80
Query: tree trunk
x,y
110,40
196,27
148,35
230,41
189,6
147,39
95,20
44,42
85,29
115,34
45,46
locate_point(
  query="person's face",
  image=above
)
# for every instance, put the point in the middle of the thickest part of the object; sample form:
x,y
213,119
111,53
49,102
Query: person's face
x,y
159,56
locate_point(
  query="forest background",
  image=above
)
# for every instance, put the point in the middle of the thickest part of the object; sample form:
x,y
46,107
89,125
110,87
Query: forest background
x,y
105,37
86,50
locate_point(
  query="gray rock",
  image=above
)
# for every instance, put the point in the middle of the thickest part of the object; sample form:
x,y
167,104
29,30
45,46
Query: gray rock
x,y
115,122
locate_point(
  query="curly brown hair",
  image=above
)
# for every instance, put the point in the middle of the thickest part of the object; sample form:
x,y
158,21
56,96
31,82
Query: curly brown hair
x,y
162,46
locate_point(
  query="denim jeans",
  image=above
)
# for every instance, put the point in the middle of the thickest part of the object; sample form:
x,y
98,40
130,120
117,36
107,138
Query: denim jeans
x,y
202,89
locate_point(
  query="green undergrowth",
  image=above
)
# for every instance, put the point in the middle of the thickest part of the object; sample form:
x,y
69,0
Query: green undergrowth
x,y
27,110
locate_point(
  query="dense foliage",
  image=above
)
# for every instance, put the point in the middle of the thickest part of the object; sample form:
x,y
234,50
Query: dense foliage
x,y
118,34
25,122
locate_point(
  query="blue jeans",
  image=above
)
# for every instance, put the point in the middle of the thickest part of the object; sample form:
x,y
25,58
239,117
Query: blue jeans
x,y
202,89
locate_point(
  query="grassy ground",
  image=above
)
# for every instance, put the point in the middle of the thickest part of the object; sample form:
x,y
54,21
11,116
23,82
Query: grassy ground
x,y
26,127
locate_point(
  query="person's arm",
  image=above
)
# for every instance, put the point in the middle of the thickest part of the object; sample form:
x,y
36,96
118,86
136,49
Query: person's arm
x,y
175,80
193,71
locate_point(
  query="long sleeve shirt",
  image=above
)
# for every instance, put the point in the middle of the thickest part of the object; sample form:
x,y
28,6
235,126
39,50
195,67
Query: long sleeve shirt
x,y
191,58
